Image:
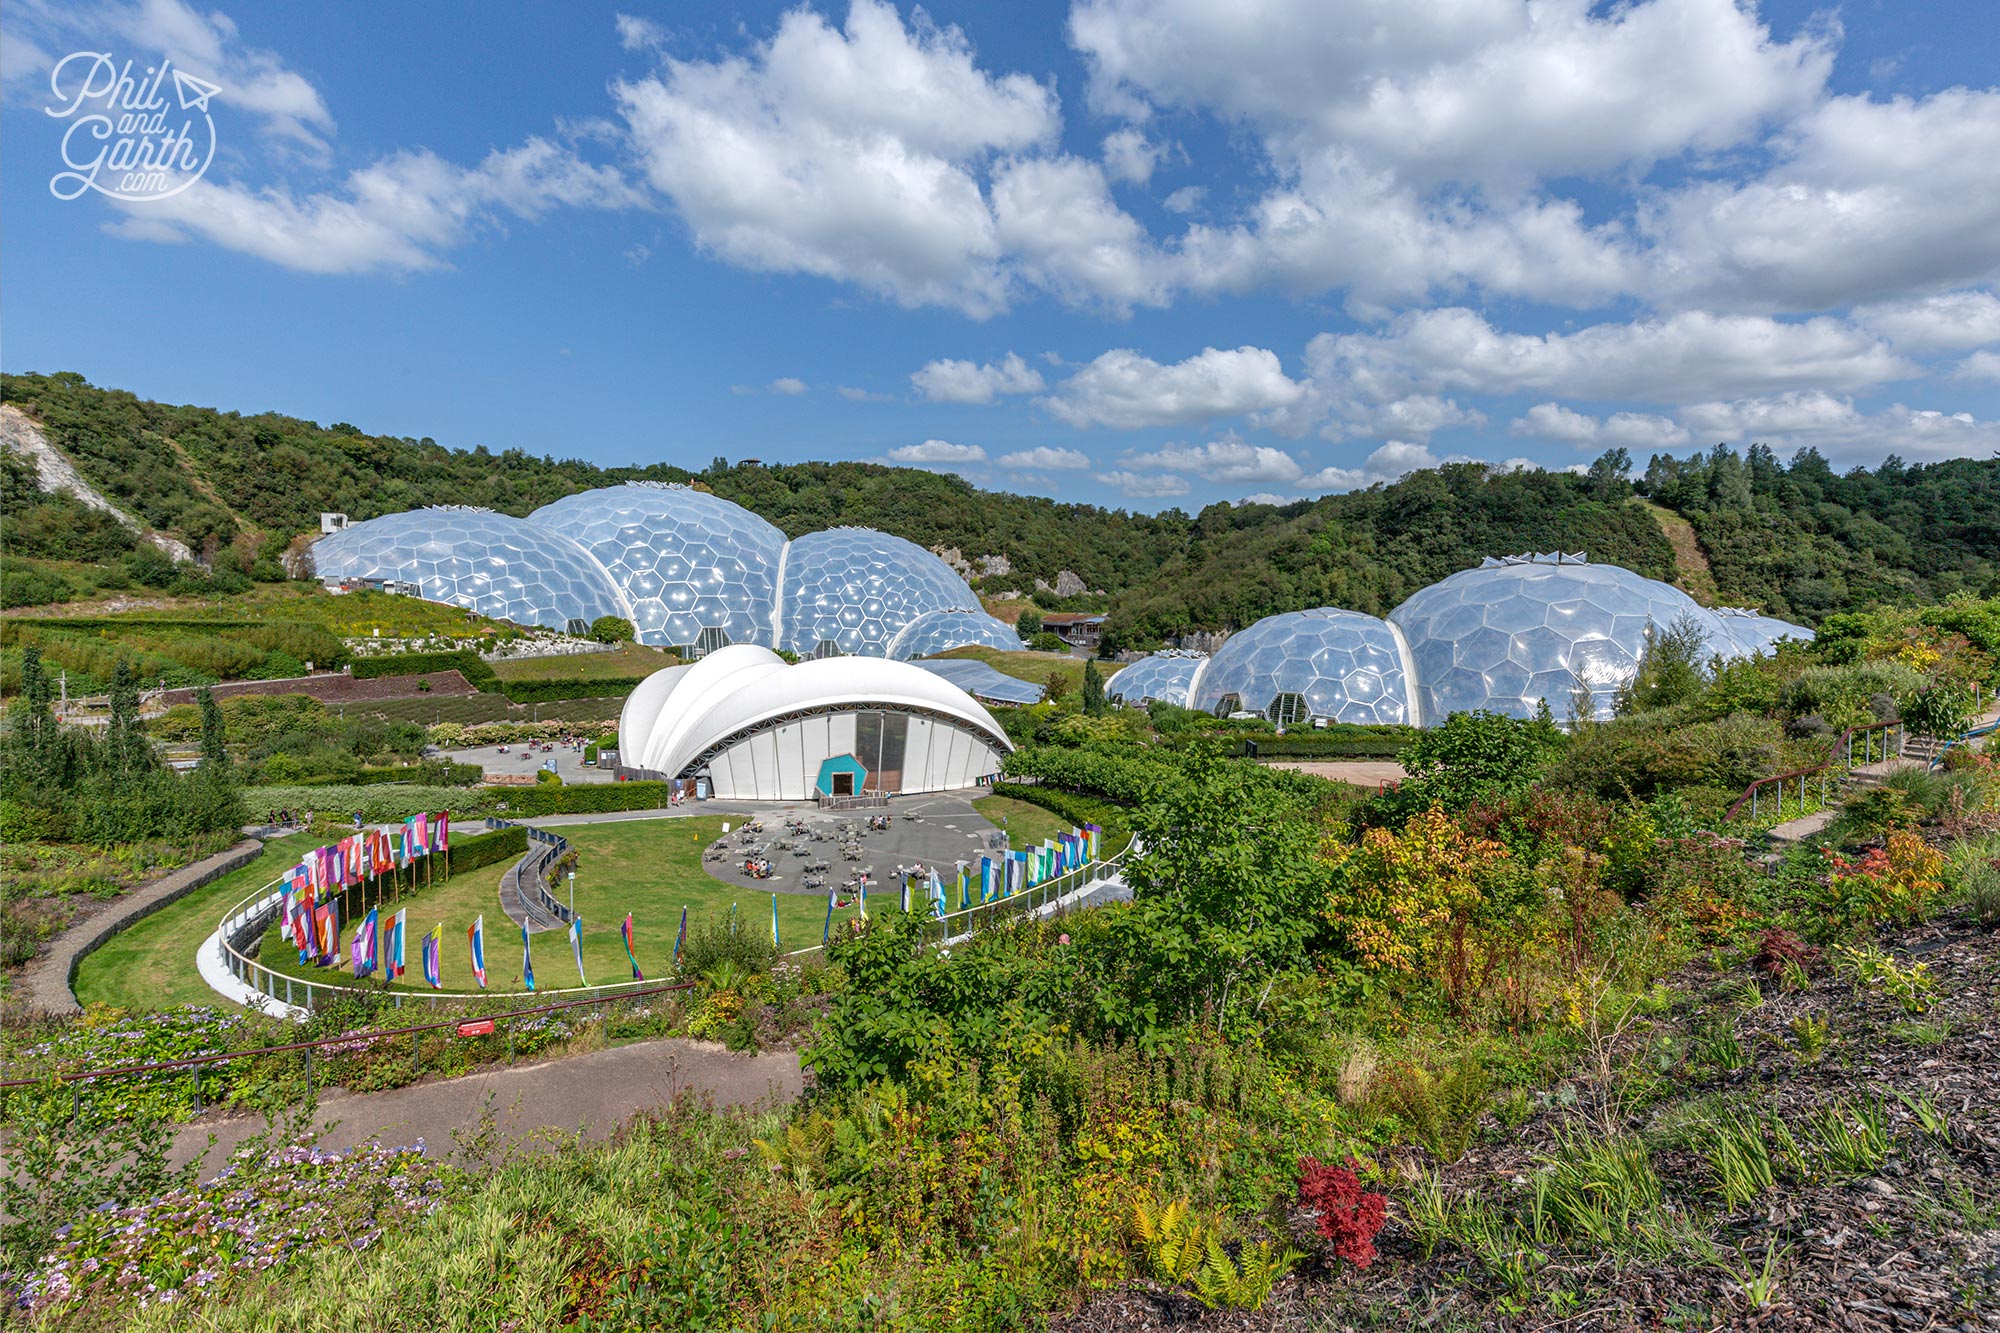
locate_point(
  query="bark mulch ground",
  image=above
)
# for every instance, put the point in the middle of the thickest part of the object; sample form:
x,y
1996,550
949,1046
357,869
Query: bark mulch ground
x,y
1913,1246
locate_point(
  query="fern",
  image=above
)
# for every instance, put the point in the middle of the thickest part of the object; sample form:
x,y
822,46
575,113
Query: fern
x,y
1171,1239
1245,1282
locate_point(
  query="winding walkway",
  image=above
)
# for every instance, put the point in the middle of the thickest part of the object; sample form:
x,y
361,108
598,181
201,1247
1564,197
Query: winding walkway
x,y
45,984
535,1105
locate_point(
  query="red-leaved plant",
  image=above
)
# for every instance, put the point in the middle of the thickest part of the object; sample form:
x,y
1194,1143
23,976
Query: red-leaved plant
x,y
1346,1215
1778,949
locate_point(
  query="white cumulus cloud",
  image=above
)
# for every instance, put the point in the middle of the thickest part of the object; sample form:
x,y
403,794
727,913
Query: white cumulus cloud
x,y
1145,486
948,381
1045,458
1124,389
933,453
1620,430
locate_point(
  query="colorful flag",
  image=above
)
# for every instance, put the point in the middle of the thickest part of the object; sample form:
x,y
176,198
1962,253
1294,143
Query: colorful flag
x,y
937,893
441,830
527,959
774,923
576,947
826,931
423,823
395,966
434,957
681,939
475,935
367,945
626,931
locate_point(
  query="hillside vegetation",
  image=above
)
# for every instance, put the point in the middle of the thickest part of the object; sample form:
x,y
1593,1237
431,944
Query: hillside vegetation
x,y
1796,539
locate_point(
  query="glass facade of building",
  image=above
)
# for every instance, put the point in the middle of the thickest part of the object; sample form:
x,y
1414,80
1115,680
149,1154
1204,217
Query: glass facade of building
x,y
1164,676
1513,634
941,631
496,565
852,590
697,571
1324,663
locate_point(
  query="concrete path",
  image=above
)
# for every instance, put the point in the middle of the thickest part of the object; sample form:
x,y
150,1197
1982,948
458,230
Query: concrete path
x,y
534,1104
45,982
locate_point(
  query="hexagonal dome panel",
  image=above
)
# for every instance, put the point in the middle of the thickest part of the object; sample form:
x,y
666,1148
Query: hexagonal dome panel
x,y
1506,635
491,563
856,589
941,631
1163,676
1323,663
697,570
1756,633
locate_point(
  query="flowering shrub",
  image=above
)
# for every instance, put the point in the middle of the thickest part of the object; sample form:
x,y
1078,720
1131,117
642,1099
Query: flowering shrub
x,y
1345,1214
1896,882
1396,894
253,1217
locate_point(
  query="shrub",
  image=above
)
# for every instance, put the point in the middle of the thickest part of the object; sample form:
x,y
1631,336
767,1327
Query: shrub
x,y
612,629
727,944
1344,1214
1441,1108
1779,951
1894,883
465,662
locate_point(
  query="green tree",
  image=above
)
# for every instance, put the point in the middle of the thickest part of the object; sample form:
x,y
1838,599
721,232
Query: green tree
x,y
214,753
1030,623
611,629
1094,702
1474,756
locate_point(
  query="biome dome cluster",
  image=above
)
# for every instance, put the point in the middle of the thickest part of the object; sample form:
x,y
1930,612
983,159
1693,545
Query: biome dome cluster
x,y
1508,636
691,571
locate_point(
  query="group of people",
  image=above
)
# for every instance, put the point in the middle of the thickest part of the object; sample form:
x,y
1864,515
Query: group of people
x,y
288,818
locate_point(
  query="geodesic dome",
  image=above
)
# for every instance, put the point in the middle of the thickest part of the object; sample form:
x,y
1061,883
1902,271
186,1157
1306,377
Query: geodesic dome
x,y
852,590
1325,663
1164,676
941,631
1756,633
493,564
1514,633
697,571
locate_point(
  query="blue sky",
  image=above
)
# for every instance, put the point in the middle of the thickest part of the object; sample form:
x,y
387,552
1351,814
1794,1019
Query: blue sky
x,y
1138,252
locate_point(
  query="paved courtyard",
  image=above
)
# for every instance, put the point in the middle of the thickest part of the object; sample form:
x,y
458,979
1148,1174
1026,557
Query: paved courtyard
x,y
934,831
520,759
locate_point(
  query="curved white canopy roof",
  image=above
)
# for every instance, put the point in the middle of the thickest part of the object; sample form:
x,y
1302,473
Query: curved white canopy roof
x,y
677,713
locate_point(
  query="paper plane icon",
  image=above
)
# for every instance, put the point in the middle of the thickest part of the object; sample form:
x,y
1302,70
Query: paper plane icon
x,y
194,93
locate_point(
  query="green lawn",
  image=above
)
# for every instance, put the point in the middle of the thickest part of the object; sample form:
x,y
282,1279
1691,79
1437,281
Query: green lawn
x,y
1027,825
150,965
650,868
1032,667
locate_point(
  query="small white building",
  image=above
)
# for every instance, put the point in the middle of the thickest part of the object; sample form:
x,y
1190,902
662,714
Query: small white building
x,y
758,729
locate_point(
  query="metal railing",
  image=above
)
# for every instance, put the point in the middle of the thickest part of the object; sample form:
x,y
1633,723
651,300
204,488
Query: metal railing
x,y
1044,898
1963,738
242,930
545,849
1880,742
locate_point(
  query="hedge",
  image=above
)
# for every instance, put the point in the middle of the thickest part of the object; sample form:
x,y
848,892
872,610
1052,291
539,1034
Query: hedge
x,y
1115,820
591,799
380,803
464,661
500,845
549,691
430,773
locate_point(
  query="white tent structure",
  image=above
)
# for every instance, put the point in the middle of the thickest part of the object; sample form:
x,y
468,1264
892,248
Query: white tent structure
x,y
761,730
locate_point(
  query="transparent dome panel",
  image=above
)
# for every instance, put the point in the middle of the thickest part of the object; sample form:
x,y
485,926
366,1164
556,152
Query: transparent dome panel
x,y
1326,663
1160,676
696,569
490,563
1512,635
941,631
858,589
